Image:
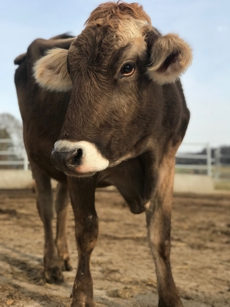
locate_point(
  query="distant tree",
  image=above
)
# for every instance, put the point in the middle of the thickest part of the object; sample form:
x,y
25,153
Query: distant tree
x,y
11,128
4,134
11,125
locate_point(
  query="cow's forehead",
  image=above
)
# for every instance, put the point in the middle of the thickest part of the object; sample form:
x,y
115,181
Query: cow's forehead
x,y
97,43
121,33
126,21
129,30
112,26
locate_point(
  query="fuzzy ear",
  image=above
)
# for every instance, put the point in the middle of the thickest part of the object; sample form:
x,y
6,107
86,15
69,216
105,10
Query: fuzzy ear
x,y
170,57
51,71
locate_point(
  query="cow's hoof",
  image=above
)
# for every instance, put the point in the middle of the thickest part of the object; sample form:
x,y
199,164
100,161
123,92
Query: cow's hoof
x,y
53,275
66,265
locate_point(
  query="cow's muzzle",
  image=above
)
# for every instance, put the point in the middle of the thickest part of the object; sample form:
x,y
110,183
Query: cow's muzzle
x,y
78,158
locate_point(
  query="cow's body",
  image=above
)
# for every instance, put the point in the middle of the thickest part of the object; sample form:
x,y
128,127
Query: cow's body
x,y
112,124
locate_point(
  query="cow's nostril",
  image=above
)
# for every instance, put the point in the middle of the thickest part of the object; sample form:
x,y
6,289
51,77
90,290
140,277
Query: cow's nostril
x,y
76,159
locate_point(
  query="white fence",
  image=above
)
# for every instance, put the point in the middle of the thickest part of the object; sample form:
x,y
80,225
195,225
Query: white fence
x,y
206,157
13,155
222,169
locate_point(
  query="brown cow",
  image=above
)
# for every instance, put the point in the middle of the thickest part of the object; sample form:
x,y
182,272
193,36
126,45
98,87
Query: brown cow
x,y
109,106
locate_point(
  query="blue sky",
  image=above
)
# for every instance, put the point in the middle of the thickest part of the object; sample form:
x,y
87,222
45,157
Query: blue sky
x,y
204,24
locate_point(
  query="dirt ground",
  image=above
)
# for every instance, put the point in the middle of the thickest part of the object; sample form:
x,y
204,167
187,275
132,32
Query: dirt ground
x,y
122,267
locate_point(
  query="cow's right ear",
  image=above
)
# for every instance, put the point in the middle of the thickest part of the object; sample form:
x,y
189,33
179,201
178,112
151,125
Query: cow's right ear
x,y
170,57
51,71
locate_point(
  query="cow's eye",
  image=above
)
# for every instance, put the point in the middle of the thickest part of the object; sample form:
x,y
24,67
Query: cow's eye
x,y
128,69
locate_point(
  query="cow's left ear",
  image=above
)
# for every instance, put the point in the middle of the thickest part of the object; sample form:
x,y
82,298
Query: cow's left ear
x,y
51,71
170,57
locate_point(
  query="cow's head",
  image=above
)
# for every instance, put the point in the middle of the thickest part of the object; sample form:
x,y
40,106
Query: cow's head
x,y
115,69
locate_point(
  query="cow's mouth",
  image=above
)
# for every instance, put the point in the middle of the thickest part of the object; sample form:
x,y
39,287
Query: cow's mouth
x,y
79,175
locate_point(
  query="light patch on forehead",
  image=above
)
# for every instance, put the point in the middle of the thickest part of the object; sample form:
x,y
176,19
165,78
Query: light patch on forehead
x,y
130,29
138,45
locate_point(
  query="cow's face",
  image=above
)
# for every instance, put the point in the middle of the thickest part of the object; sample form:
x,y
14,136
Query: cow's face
x,y
115,69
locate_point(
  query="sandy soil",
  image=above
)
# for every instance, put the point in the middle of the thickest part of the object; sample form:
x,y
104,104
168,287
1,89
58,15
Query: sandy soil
x,y
122,267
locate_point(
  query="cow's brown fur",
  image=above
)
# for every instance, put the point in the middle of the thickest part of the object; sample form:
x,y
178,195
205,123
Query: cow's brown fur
x,y
136,123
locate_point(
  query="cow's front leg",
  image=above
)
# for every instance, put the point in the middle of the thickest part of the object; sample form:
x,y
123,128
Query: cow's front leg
x,y
61,206
86,231
159,224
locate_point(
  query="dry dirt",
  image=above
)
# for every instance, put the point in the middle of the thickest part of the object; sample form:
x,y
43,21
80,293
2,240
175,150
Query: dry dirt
x,y
122,267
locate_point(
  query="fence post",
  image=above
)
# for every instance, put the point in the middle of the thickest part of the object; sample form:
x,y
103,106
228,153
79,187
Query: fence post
x,y
217,164
209,160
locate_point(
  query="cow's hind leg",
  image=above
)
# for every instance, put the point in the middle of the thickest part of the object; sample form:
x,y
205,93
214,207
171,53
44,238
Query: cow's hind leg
x,y
159,224
61,206
52,264
86,232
